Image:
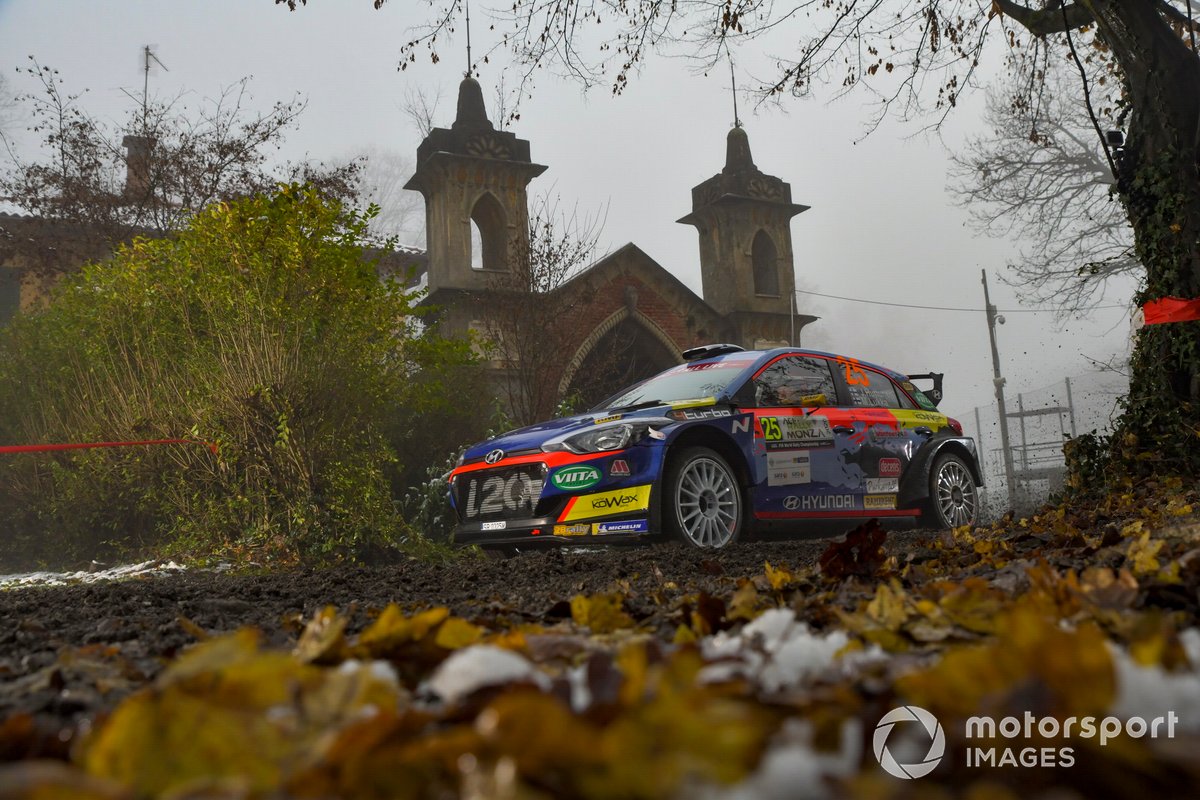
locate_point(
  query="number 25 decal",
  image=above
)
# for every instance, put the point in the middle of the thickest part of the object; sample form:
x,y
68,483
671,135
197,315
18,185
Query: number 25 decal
x,y
770,428
854,374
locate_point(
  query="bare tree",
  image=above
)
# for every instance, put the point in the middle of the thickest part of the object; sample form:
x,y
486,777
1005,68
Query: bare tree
x,y
381,178
8,110
420,107
528,303
166,163
1042,176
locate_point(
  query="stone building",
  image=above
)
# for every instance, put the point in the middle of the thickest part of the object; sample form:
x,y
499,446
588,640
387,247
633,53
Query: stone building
x,y
473,175
630,316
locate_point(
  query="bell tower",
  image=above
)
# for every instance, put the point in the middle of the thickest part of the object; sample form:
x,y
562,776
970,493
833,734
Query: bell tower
x,y
472,174
744,218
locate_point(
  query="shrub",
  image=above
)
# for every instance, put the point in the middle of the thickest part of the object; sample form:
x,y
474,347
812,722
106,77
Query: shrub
x,y
262,327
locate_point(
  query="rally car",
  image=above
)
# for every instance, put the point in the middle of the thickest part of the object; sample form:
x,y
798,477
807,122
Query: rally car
x,y
728,442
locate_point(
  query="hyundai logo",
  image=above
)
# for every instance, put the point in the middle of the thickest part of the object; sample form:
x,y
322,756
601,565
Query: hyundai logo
x,y
493,457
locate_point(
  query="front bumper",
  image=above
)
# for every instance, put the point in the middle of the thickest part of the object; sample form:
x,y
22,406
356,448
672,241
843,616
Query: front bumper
x,y
617,507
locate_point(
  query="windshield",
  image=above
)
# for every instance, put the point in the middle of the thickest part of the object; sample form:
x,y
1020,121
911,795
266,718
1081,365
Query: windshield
x,y
685,382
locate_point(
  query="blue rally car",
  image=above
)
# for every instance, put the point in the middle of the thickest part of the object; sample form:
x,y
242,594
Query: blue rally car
x,y
728,442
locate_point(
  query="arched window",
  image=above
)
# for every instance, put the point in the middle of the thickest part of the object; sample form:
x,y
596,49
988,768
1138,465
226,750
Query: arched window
x,y
489,246
766,265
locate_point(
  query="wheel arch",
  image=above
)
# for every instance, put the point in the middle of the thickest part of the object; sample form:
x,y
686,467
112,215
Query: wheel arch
x,y
916,482
720,443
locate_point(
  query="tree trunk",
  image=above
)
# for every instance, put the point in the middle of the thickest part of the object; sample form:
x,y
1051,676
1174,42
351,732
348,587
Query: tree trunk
x,y
1159,183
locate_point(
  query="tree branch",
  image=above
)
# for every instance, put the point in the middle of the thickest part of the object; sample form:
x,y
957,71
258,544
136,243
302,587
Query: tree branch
x,y
1043,22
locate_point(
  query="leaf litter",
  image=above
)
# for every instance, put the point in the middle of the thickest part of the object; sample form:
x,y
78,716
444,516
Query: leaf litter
x,y
735,683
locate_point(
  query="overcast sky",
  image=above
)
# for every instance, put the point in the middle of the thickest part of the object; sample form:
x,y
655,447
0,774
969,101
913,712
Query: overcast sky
x,y
881,227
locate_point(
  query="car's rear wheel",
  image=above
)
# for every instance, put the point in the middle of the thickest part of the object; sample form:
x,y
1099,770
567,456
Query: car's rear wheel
x,y
953,495
703,503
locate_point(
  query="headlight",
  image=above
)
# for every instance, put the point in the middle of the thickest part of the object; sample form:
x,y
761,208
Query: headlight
x,y
603,439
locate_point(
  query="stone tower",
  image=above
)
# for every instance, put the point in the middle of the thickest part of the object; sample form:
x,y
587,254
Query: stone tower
x,y
744,217
468,173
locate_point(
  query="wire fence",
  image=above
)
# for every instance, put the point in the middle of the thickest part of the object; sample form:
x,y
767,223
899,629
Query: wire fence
x,y
1039,422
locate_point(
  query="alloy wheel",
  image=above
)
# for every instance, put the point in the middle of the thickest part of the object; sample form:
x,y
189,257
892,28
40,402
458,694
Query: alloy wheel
x,y
708,503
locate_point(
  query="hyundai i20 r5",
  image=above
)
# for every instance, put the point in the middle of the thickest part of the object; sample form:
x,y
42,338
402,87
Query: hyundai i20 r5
x,y
725,443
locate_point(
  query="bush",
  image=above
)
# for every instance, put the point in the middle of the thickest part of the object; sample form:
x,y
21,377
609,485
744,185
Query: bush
x,y
263,328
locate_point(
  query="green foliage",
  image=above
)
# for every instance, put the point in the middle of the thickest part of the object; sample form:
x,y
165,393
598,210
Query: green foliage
x,y
264,328
1156,434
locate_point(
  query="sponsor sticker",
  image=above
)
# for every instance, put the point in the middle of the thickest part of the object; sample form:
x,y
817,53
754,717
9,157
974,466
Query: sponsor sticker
x,y
784,469
575,478
706,413
656,434
881,485
879,502
889,468
572,530
820,502
612,418
494,526
607,504
784,433
619,468
628,526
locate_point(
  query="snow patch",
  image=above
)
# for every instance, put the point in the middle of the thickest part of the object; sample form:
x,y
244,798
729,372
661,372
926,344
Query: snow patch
x,y
1153,691
792,769
22,579
478,667
778,652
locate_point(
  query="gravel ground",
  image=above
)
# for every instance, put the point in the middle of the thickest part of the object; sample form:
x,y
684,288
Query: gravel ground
x,y
59,644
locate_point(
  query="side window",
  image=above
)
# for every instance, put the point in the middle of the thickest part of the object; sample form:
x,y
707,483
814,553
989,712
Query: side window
x,y
795,381
904,401
870,388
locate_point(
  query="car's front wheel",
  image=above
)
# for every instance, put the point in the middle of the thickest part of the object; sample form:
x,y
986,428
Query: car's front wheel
x,y
953,495
702,501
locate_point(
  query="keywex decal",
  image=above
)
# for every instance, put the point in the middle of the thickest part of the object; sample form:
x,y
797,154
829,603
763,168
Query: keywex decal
x,y
628,526
606,504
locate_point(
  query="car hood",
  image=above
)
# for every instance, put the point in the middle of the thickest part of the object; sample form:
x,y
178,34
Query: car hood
x,y
531,438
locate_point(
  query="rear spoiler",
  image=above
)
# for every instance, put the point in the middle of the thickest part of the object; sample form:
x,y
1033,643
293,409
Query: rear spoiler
x,y
934,394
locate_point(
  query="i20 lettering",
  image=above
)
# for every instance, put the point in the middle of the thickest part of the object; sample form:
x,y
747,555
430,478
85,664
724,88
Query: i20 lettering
x,y
497,495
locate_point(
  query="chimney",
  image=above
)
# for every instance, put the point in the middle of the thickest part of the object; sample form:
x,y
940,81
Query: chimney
x,y
137,166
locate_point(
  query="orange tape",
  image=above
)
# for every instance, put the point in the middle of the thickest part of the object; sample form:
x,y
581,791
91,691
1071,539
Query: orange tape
x,y
1171,309
44,448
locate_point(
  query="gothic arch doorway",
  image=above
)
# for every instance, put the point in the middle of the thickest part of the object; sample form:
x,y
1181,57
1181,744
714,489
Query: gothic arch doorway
x,y
766,265
489,230
623,350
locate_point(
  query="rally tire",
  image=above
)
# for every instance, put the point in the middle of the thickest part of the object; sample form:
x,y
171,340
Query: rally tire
x,y
703,504
953,494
